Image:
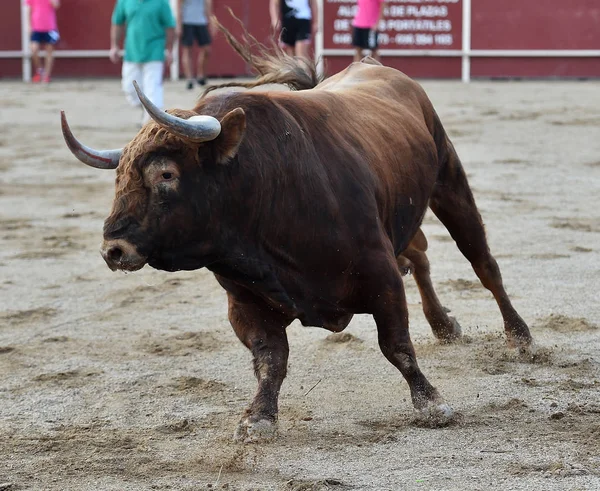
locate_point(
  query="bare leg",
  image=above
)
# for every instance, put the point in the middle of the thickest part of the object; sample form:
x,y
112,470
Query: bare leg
x,y
391,316
262,331
49,60
290,50
303,49
358,54
453,203
186,62
375,54
35,57
445,328
203,56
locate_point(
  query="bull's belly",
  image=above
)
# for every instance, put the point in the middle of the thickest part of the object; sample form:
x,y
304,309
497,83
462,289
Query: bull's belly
x,y
332,321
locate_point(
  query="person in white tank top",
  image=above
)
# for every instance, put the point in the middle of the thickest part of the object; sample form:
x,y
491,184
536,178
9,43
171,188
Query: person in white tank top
x,y
298,21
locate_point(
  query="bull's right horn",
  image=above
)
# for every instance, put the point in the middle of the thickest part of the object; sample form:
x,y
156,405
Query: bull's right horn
x,y
100,159
197,129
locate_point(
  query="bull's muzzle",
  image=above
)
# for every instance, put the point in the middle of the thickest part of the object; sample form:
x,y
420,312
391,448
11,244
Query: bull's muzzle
x,y
120,254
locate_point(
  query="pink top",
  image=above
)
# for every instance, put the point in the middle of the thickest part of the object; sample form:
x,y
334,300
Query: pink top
x,y
43,15
367,13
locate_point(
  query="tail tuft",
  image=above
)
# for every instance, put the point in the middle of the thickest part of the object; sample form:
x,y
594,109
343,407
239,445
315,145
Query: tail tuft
x,y
272,65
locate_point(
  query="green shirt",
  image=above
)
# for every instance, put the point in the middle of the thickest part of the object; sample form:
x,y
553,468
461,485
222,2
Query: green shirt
x,y
147,21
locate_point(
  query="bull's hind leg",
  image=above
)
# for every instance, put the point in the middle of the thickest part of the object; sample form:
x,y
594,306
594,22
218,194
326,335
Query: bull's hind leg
x,y
445,328
453,203
263,332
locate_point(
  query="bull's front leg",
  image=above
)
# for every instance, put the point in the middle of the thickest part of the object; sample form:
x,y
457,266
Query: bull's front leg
x,y
262,330
388,305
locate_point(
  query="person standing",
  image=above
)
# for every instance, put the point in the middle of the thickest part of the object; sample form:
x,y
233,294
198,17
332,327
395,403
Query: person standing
x,y
148,27
44,34
298,20
194,22
364,33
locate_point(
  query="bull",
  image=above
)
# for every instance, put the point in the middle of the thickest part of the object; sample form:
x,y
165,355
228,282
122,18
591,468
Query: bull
x,y
305,205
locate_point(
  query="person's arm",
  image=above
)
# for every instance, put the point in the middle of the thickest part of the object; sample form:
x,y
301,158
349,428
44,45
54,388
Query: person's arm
x,y
314,10
179,28
274,10
117,31
55,4
169,45
212,27
380,16
168,21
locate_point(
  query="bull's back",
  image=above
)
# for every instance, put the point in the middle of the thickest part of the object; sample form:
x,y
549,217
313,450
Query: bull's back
x,y
381,123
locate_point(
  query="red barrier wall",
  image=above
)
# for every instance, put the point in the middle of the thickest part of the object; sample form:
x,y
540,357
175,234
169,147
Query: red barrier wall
x,y
551,24
548,24
410,24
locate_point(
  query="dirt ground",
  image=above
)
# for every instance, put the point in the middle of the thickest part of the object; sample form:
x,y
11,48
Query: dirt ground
x,y
135,382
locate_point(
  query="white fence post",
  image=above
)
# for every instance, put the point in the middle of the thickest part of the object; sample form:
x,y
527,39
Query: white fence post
x,y
319,40
174,69
466,41
25,51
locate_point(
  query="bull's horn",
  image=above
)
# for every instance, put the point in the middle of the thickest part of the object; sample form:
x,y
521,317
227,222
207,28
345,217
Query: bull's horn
x,y
197,128
100,159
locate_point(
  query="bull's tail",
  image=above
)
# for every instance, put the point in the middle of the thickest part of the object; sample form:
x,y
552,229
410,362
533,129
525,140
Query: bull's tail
x,y
272,65
445,150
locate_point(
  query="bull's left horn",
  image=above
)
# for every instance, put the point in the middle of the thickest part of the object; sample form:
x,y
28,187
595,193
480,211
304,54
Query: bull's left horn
x,y
100,159
197,129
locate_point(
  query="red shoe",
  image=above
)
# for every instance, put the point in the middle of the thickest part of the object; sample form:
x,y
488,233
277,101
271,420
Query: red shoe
x,y
37,78
45,79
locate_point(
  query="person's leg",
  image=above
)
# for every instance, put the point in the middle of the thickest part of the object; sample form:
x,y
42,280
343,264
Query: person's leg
x,y
35,60
359,42
49,48
187,40
303,38
50,39
287,40
187,65
374,44
203,55
204,40
130,72
303,49
152,84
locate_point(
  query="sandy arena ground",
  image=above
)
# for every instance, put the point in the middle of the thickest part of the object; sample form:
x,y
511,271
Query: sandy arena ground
x,y
135,382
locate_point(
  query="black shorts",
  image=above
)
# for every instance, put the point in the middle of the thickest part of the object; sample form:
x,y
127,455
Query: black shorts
x,y
198,32
295,30
365,38
45,37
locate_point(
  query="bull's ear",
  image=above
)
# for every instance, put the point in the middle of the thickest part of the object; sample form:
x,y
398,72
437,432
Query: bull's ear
x,y
233,127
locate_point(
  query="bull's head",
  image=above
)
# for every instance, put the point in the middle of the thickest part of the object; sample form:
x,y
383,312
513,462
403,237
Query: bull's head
x,y
163,198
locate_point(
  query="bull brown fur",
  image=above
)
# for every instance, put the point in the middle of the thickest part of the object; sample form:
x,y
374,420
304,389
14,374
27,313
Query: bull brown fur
x,y
307,205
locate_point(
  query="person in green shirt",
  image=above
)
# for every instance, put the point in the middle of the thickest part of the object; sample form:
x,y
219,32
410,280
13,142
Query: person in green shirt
x,y
148,27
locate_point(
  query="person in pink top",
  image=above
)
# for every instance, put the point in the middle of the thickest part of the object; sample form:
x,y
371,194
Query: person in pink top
x,y
364,34
44,34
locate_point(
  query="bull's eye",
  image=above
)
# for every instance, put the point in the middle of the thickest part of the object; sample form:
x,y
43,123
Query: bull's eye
x,y
167,176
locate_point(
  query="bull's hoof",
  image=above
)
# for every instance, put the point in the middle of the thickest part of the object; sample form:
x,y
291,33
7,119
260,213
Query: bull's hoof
x,y
437,410
249,431
435,414
522,343
517,332
451,332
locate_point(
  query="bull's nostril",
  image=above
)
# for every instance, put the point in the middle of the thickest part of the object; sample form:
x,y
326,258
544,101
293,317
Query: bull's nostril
x,y
114,254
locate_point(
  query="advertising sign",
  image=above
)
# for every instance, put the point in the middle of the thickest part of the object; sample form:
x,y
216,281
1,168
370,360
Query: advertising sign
x,y
406,24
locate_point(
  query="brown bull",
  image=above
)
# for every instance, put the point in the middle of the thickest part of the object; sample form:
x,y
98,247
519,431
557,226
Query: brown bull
x,y
302,204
